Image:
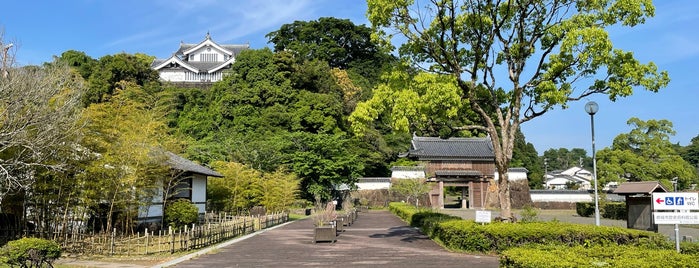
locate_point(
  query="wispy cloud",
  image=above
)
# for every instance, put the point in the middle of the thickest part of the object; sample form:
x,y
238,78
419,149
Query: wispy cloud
x,y
170,22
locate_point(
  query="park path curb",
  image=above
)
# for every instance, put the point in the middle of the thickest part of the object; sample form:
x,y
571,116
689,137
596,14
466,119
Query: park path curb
x,y
214,247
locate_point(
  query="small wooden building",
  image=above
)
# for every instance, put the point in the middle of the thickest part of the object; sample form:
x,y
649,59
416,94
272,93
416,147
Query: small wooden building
x,y
639,207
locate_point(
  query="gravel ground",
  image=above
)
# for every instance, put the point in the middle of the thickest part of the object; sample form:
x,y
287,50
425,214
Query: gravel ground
x,y
571,216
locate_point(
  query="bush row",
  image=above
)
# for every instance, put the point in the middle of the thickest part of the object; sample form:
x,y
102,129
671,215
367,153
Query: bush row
x,y
467,235
30,252
543,256
614,210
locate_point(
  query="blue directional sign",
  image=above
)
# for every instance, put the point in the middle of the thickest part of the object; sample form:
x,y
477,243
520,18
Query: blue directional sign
x,y
675,201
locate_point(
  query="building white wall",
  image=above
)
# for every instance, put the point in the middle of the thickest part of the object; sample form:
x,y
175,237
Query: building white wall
x,y
199,192
373,185
172,75
512,176
561,196
408,174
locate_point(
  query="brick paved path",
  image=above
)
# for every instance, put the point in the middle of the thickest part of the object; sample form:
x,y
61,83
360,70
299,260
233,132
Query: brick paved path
x,y
376,239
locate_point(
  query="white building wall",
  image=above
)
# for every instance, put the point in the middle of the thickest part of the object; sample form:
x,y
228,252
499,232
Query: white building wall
x,y
208,54
512,176
373,185
407,174
199,192
172,75
562,196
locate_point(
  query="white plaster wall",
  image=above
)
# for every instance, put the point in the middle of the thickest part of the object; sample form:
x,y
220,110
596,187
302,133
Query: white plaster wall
x,y
172,76
512,176
199,192
220,58
404,174
373,185
563,197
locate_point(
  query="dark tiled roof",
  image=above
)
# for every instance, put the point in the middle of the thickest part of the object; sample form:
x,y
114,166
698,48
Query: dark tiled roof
x,y
640,187
178,162
236,49
374,179
426,148
458,173
518,169
408,168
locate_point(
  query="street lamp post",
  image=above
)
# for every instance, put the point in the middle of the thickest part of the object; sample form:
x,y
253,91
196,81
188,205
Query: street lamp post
x,y
591,108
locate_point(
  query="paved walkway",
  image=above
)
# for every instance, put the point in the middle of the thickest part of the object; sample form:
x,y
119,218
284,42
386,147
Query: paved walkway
x,y
377,238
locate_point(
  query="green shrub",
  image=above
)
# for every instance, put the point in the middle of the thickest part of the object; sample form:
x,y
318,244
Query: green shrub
x,y
180,213
543,256
529,214
689,248
467,235
585,209
615,211
30,252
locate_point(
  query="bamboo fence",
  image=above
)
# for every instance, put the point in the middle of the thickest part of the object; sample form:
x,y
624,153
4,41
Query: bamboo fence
x,y
216,229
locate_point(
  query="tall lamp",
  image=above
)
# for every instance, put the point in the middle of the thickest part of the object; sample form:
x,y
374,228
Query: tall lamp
x,y
591,108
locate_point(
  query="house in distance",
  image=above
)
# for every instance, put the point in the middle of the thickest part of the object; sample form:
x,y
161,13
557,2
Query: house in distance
x,y
204,62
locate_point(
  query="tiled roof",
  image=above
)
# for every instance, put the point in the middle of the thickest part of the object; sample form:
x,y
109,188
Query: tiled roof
x,y
178,162
518,169
458,173
640,187
236,49
426,148
374,179
408,168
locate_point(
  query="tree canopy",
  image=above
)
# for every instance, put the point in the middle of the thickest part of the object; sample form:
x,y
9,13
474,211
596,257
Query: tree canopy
x,y
645,154
513,61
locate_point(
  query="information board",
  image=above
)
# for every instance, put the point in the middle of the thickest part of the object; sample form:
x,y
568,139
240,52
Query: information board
x,y
675,201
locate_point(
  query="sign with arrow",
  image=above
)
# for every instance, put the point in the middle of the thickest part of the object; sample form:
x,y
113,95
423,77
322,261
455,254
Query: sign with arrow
x,y
675,201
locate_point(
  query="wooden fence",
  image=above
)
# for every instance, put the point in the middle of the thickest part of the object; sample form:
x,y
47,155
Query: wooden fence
x,y
167,241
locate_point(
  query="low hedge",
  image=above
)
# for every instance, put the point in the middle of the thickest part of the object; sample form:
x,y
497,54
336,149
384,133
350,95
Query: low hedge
x,y
30,252
544,256
467,235
612,210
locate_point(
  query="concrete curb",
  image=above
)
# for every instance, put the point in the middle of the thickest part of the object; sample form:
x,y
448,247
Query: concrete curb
x,y
217,246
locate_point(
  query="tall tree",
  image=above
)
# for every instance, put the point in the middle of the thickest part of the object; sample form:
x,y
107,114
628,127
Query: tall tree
x,y
339,42
645,154
39,109
690,153
524,155
127,160
112,69
562,158
515,60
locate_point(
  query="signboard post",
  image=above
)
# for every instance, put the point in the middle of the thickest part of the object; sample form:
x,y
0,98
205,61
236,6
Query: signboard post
x,y
677,209
483,216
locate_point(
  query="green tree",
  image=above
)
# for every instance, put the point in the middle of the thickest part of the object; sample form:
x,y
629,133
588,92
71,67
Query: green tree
x,y
83,63
126,164
112,69
514,61
524,155
690,153
562,158
411,189
239,190
339,42
645,154
39,110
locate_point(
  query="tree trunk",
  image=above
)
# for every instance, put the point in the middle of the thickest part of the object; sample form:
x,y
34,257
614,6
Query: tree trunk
x,y
504,194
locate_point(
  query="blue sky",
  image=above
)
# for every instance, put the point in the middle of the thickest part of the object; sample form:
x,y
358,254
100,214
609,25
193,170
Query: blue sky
x,y
42,29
